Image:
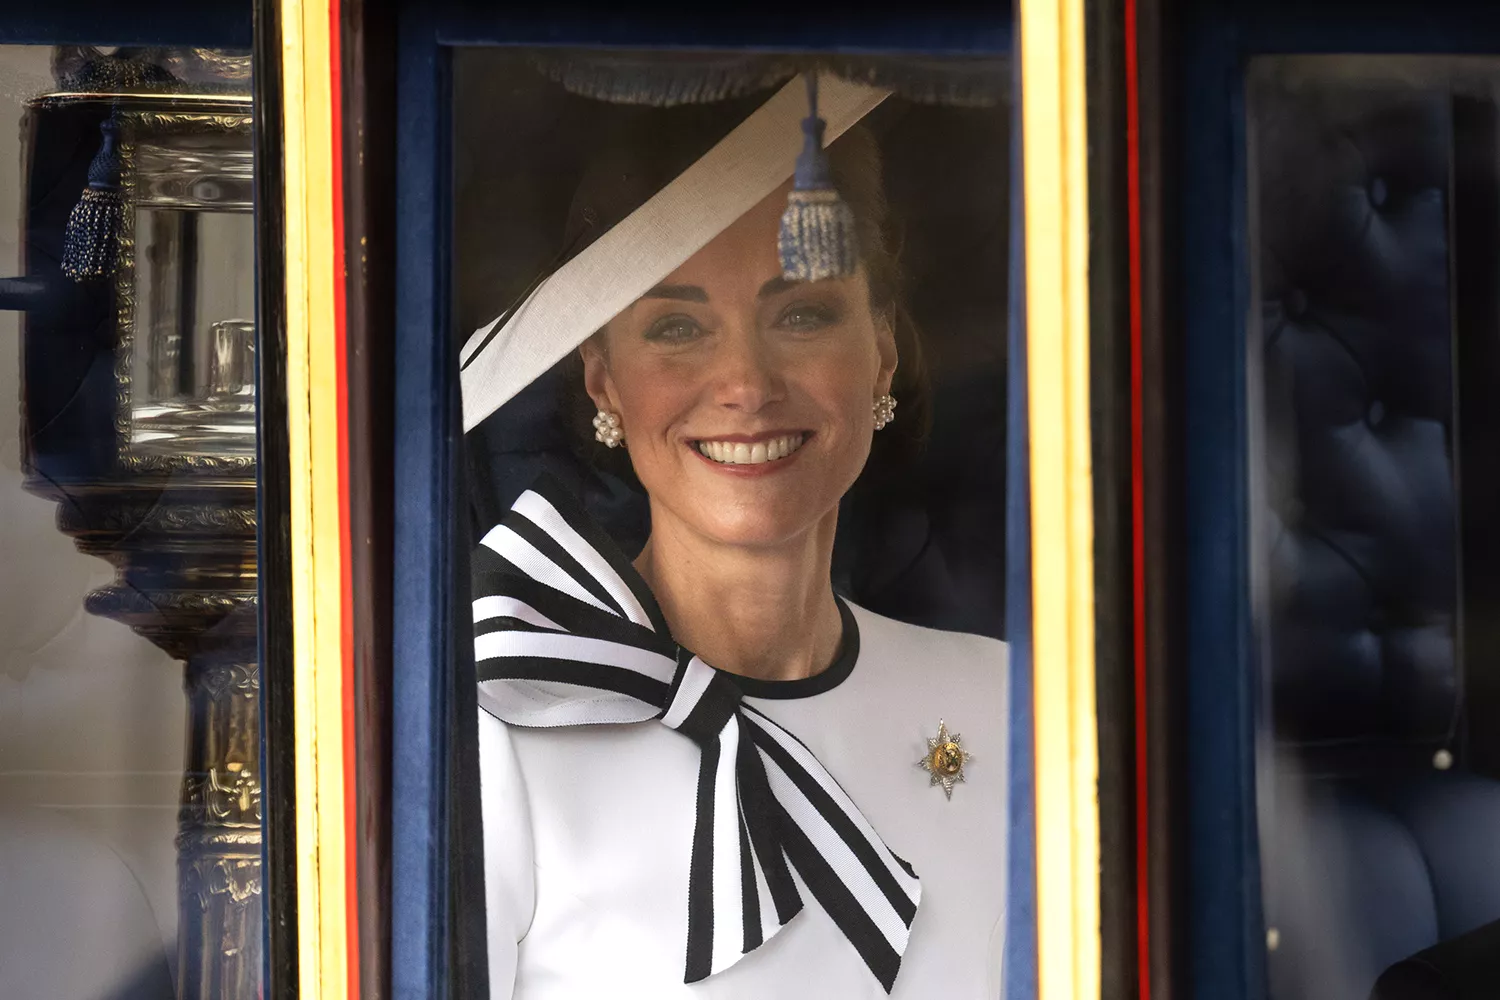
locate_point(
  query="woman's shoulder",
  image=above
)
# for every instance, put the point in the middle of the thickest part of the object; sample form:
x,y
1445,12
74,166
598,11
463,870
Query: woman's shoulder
x,y
955,653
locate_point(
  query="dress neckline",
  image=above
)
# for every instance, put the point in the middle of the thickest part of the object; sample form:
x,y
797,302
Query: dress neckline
x,y
819,683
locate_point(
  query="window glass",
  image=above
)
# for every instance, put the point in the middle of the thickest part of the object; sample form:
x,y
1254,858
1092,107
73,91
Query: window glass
x,y
130,795
771,414
1374,225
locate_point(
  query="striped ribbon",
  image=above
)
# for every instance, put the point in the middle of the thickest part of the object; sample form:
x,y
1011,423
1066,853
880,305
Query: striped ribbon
x,y
566,633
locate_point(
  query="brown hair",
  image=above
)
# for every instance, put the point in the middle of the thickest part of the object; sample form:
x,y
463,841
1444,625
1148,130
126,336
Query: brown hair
x,y
632,171
860,178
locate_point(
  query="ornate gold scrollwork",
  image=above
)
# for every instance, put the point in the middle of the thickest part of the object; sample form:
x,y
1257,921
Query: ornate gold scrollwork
x,y
210,519
235,879
229,795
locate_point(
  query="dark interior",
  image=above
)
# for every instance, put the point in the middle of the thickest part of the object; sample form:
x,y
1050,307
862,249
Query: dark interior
x,y
1373,197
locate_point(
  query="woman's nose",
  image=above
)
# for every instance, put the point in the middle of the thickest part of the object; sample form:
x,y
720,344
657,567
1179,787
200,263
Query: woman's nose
x,y
747,374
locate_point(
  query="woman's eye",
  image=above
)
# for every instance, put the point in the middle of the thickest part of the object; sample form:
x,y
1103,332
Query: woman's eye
x,y
807,317
673,329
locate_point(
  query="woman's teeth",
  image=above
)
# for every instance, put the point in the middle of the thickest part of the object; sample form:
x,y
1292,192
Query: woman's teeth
x,y
741,453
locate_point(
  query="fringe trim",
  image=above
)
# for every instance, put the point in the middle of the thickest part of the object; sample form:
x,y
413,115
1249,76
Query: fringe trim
x,y
664,81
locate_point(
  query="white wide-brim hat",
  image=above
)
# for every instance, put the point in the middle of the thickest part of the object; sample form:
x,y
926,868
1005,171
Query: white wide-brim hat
x,y
567,306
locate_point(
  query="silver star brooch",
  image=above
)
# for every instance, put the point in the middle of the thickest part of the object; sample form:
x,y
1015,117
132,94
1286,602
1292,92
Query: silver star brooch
x,y
945,759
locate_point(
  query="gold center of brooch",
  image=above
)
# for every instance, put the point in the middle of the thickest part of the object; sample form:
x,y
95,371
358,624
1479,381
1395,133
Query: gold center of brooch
x,y
948,758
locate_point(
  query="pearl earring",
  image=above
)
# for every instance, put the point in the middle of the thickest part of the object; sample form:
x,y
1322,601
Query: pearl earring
x,y
607,429
885,410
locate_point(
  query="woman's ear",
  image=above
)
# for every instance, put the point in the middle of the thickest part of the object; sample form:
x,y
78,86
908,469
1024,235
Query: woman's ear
x,y
596,380
885,345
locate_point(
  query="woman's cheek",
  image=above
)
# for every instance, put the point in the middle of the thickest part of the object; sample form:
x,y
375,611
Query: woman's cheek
x,y
653,391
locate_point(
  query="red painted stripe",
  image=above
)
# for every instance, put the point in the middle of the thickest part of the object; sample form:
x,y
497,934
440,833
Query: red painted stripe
x,y
340,334
1137,496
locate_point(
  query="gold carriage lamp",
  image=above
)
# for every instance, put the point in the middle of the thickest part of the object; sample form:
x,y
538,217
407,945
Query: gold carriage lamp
x,y
140,422
172,230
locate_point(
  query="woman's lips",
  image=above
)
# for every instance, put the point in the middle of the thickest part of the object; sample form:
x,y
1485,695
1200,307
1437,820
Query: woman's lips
x,y
740,452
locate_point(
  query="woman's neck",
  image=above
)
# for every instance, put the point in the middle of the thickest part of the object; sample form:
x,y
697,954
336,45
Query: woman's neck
x,y
767,613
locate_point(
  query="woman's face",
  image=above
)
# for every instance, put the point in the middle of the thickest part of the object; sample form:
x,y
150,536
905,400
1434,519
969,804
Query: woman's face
x,y
745,399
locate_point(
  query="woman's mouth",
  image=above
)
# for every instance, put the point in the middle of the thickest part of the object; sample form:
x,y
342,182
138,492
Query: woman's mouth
x,y
760,452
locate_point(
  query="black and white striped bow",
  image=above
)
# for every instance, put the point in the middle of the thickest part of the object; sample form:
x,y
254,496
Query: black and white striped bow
x,y
566,633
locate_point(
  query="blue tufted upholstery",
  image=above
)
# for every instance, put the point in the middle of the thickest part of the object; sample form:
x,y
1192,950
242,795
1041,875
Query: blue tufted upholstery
x,y
1358,405
1369,854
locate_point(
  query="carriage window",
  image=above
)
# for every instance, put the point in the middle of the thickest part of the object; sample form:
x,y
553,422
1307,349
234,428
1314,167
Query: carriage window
x,y
130,795
1375,217
734,374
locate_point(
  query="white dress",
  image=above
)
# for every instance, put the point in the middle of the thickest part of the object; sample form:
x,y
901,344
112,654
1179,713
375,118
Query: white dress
x,y
588,834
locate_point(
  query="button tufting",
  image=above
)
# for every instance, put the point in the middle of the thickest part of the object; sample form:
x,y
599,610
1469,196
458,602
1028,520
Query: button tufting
x,y
1295,303
1378,192
1376,415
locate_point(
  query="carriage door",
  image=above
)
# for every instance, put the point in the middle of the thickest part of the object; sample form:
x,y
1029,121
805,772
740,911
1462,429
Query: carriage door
x,y
1334,210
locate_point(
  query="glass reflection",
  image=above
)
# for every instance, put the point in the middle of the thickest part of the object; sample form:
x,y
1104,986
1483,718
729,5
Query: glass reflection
x,y
720,275
1372,201
137,335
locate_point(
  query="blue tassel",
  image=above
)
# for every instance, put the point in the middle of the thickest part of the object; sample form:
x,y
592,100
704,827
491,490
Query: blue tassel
x,y
91,242
817,240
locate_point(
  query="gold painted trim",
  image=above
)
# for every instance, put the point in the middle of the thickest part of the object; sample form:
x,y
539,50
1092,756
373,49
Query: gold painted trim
x,y
323,920
127,97
1054,154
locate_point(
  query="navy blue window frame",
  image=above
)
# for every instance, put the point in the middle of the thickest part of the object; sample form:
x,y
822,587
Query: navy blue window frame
x,y
145,22
430,573
1216,39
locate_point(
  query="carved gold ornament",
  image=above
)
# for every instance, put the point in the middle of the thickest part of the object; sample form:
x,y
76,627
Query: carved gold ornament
x,y
945,759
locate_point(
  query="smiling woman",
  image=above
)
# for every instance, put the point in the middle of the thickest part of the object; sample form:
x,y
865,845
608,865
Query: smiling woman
x,y
706,769
681,310
723,366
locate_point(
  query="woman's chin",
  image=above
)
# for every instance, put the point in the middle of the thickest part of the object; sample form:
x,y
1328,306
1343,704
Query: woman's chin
x,y
761,528
753,512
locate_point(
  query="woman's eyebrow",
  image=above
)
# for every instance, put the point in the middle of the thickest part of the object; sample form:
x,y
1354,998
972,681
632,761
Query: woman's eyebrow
x,y
696,293
776,286
683,293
